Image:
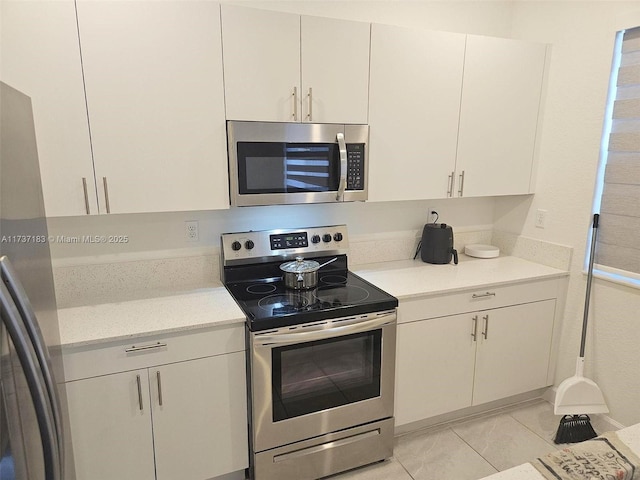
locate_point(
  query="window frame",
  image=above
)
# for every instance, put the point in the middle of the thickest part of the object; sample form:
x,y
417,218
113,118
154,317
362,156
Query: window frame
x,y
611,274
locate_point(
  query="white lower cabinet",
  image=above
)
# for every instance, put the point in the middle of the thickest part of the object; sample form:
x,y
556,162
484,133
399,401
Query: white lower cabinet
x,y
513,348
434,367
184,420
456,361
199,430
111,434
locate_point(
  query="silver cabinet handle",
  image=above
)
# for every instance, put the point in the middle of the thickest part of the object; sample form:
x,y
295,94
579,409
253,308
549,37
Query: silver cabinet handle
x,y
86,195
483,295
450,184
106,194
310,97
139,392
159,387
295,103
343,166
135,348
485,332
461,189
474,331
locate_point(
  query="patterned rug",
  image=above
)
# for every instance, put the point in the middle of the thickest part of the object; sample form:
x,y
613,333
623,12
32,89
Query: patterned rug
x,y
604,457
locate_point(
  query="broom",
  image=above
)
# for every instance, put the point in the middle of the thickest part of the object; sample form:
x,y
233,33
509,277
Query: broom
x,y
578,396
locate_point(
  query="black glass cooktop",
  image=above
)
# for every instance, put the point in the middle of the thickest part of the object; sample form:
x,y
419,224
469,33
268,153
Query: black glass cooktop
x,y
268,304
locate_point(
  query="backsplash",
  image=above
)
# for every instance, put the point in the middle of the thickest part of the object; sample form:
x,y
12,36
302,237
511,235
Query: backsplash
x,y
106,280
547,253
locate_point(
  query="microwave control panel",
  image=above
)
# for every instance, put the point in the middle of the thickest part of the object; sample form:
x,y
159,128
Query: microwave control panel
x,y
355,166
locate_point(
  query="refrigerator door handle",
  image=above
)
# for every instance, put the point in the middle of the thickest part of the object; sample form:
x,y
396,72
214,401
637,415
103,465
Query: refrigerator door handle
x,y
23,305
43,405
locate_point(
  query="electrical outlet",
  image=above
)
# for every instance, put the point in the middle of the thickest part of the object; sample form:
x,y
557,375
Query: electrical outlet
x,y
541,218
191,228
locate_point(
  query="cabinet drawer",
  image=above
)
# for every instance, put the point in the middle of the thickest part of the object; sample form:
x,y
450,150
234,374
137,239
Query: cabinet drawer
x,y
143,352
481,298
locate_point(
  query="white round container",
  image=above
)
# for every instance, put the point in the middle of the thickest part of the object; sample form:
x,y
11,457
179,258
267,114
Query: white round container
x,y
481,251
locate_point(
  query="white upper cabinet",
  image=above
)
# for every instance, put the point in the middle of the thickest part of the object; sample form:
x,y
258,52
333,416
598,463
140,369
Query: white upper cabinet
x,y
335,70
416,82
155,99
450,119
261,64
499,116
285,68
41,58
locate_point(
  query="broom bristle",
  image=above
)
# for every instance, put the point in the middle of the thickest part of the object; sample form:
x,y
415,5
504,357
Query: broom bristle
x,y
574,428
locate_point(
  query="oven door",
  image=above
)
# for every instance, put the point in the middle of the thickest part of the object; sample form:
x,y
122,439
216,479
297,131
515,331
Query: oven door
x,y
321,377
289,163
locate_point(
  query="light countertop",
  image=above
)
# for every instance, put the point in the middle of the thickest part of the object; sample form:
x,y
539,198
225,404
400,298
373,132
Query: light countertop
x,y
93,324
410,278
208,307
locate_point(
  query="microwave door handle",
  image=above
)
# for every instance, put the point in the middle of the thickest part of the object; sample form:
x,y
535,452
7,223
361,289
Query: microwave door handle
x,y
343,166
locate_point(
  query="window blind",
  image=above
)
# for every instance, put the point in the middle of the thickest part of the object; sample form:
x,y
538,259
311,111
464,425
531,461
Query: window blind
x,y
618,244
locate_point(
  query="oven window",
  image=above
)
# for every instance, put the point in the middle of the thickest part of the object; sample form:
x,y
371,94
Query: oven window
x,y
315,376
273,167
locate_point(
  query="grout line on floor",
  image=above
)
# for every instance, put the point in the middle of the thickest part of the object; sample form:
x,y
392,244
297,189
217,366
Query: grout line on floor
x,y
481,455
403,467
537,434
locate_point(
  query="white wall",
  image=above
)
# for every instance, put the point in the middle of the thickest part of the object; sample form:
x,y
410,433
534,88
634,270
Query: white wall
x,y
582,35
163,234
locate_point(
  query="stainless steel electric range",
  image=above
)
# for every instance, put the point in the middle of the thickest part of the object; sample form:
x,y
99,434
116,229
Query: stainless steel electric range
x,y
321,359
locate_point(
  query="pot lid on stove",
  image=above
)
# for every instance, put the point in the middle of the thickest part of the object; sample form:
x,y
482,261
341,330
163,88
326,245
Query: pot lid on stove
x,y
300,265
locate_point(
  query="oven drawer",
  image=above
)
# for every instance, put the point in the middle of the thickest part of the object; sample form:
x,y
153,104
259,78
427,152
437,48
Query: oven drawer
x,y
481,298
120,356
328,454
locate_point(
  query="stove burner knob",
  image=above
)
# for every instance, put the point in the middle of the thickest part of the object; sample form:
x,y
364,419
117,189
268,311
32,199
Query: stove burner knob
x,y
337,237
235,246
249,244
326,238
315,239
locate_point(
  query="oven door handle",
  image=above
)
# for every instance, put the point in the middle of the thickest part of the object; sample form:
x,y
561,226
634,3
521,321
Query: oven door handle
x,y
343,166
310,336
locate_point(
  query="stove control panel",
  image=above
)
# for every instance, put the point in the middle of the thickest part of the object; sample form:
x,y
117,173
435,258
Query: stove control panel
x,y
283,244
284,241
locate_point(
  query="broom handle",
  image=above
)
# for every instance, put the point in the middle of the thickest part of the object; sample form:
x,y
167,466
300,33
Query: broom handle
x,y
594,233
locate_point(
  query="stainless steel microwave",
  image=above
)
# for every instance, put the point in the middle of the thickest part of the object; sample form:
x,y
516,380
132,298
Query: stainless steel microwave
x,y
287,163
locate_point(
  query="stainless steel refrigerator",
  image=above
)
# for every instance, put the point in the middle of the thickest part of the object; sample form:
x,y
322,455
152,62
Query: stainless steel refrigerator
x,y
31,430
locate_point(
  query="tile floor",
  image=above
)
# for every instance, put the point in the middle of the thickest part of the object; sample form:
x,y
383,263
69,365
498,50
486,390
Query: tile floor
x,y
473,448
